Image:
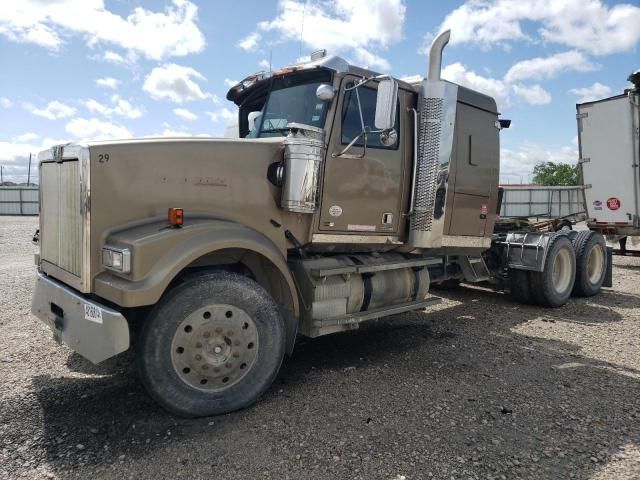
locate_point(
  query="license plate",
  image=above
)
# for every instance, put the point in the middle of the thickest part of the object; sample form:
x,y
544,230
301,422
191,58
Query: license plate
x,y
92,313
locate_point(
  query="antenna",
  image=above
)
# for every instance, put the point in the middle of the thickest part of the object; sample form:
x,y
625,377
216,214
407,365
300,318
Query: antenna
x,y
304,11
29,172
270,59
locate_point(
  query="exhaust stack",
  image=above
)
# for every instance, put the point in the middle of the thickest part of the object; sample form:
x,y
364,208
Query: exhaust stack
x,y
435,55
437,113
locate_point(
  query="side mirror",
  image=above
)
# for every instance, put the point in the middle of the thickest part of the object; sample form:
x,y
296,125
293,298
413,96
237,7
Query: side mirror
x,y
386,104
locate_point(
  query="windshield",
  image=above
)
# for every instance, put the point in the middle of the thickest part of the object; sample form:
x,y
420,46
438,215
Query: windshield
x,y
292,98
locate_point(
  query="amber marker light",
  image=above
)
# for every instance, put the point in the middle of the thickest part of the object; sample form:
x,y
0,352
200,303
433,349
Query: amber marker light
x,y
176,217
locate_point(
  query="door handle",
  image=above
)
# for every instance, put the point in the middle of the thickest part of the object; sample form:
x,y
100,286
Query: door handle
x,y
470,144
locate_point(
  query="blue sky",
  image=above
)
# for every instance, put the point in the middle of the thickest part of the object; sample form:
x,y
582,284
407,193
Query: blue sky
x,y
76,70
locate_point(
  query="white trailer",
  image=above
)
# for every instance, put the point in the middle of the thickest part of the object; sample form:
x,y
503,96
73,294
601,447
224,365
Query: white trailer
x,y
608,140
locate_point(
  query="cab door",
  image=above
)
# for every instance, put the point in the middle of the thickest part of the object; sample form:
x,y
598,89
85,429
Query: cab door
x,y
362,195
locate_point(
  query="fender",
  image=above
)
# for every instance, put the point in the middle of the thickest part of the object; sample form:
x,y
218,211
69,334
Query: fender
x,y
159,254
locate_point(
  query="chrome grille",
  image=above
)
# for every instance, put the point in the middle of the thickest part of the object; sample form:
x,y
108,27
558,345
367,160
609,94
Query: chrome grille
x,y
430,127
65,214
61,215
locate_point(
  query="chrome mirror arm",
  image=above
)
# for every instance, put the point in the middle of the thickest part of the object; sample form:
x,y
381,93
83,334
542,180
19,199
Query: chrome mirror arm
x,y
351,143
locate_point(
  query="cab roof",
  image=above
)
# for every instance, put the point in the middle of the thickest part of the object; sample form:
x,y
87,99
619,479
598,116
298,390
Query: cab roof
x,y
319,60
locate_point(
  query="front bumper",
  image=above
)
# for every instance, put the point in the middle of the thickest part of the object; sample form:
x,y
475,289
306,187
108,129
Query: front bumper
x,y
94,331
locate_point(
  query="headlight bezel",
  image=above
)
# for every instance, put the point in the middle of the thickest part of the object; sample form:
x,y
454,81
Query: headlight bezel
x,y
116,259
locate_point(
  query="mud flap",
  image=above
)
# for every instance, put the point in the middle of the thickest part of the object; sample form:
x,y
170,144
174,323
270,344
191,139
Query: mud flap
x,y
608,278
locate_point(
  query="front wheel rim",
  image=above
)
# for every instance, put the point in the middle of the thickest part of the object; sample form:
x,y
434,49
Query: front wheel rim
x,y
595,264
214,347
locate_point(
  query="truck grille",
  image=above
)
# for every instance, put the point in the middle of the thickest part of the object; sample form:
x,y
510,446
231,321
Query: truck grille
x,y
61,216
64,214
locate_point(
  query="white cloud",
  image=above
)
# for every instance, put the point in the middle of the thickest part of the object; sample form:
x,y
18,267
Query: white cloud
x,y
95,129
355,26
107,82
5,102
548,67
587,25
516,166
597,91
26,137
119,107
185,114
230,83
52,111
498,89
250,42
174,82
113,57
532,94
223,114
264,63
156,35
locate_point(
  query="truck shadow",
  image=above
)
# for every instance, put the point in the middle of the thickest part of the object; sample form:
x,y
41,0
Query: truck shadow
x,y
534,400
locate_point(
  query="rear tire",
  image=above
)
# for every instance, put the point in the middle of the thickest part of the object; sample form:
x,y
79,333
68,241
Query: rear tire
x,y
591,263
552,287
212,345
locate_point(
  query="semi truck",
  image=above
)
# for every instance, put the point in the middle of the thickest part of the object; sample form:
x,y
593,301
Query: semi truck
x,y
609,149
348,195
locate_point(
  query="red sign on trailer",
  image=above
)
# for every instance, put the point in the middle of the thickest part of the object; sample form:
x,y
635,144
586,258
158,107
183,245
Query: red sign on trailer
x,y
613,203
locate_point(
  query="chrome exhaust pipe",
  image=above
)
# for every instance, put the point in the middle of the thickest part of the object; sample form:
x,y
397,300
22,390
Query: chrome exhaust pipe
x,y
435,55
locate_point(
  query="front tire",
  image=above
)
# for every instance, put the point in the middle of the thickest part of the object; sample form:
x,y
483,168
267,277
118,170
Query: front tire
x,y
212,345
552,287
591,263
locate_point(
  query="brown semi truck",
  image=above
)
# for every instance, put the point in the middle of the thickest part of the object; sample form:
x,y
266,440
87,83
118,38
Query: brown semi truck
x,y
348,195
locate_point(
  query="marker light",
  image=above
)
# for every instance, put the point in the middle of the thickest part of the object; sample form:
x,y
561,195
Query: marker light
x,y
176,216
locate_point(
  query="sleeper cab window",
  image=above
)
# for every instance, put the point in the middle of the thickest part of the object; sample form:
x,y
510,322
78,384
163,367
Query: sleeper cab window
x,y
351,126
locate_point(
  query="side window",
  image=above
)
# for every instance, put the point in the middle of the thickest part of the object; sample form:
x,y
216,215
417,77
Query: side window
x,y
351,126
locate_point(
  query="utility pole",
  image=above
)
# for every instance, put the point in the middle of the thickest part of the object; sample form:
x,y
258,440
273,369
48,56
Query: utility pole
x,y
29,172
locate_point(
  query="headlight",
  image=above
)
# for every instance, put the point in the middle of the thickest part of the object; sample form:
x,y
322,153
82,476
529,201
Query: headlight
x,y
117,259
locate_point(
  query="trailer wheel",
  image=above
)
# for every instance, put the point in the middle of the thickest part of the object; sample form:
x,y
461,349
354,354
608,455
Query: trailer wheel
x,y
519,286
552,287
591,263
212,345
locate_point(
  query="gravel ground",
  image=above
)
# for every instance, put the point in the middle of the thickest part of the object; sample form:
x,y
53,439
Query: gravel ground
x,y
479,387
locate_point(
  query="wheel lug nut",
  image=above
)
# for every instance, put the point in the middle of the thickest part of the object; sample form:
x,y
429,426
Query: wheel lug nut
x,y
217,370
219,330
198,357
229,365
236,342
230,333
205,367
206,334
236,354
198,345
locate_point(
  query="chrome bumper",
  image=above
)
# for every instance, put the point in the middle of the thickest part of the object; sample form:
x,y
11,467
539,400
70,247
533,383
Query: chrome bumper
x,y
96,338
